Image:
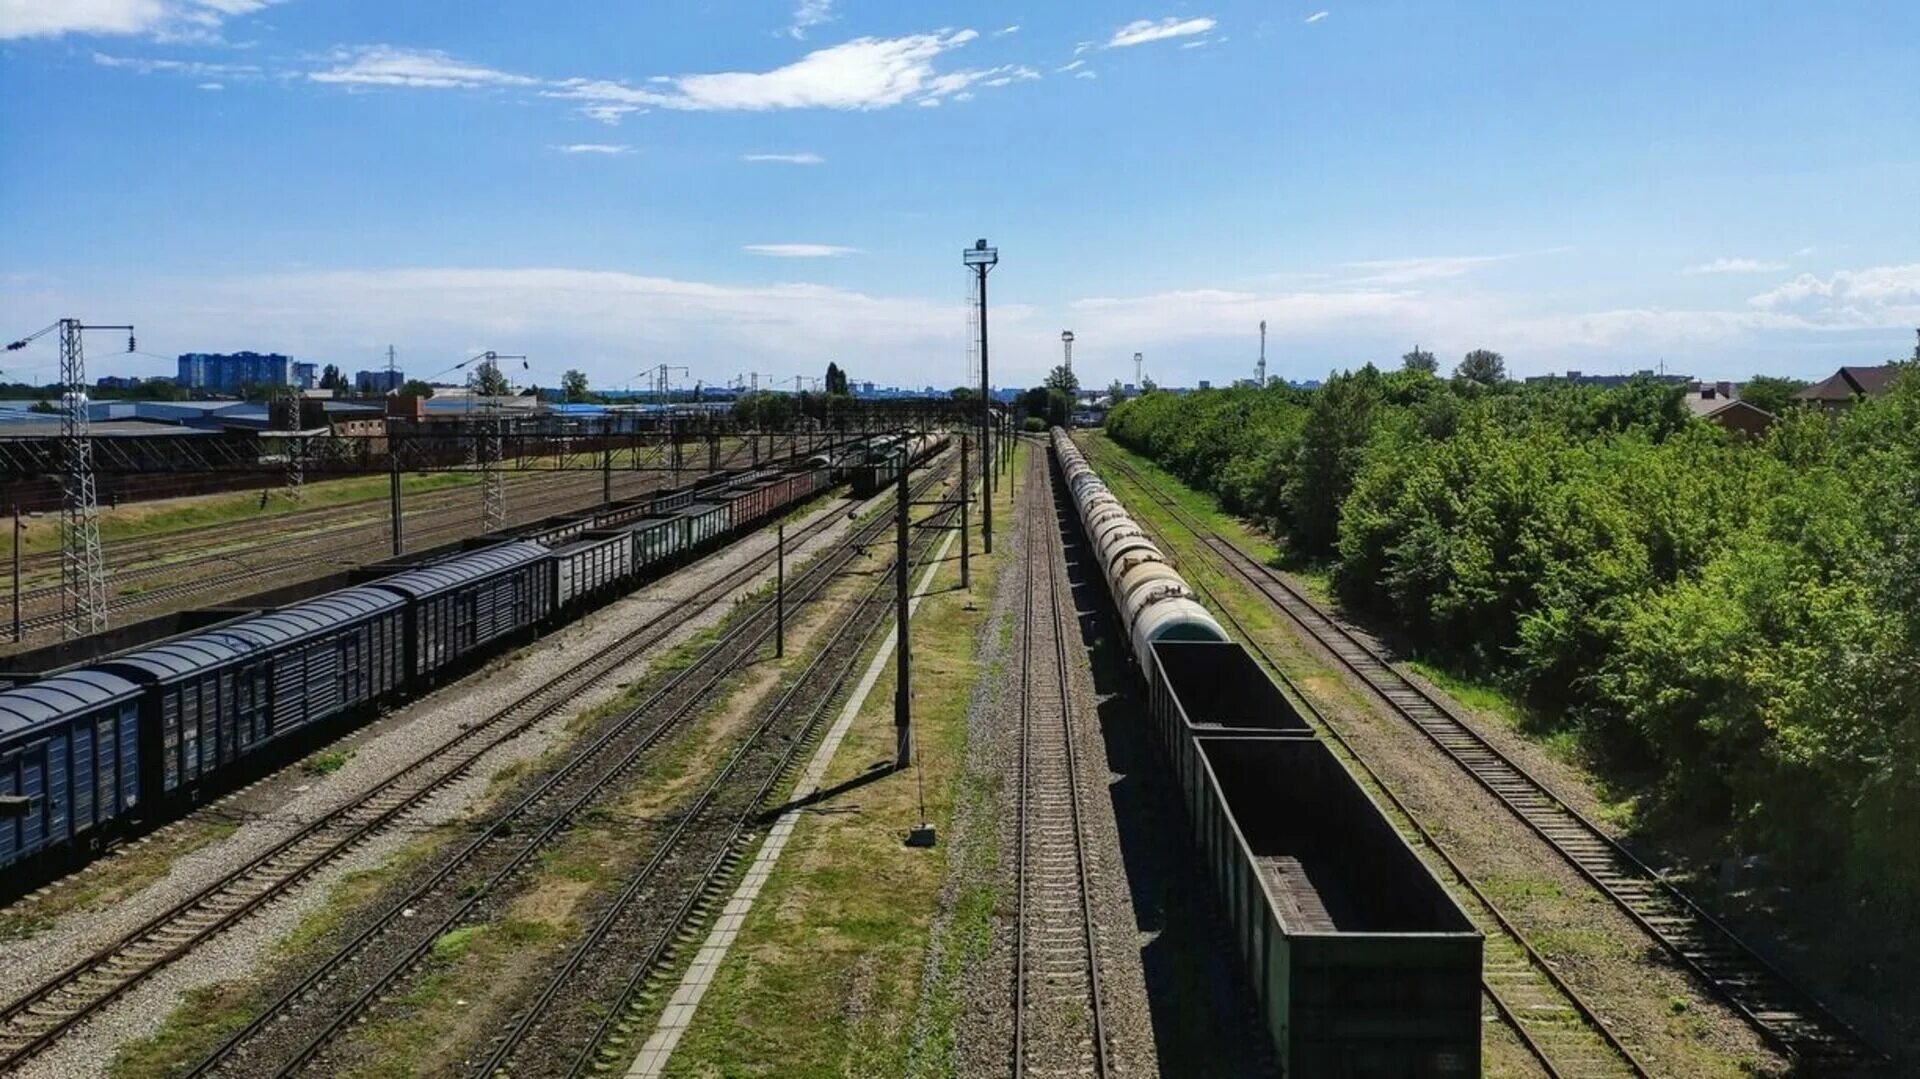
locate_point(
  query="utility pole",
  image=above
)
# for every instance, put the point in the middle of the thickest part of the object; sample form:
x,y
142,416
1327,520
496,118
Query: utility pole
x,y
393,499
1260,372
16,572
982,259
966,493
780,589
484,447
903,685
393,383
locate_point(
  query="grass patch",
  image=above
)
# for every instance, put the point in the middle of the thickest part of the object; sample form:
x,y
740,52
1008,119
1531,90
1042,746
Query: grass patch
x,y
206,1017
326,762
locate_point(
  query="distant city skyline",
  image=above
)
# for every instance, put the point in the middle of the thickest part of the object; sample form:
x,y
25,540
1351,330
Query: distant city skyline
x,y
609,186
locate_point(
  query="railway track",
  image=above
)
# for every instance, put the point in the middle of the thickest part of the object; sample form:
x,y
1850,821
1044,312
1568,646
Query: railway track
x,y
304,1025
568,1028
1058,1022
1786,1016
36,1020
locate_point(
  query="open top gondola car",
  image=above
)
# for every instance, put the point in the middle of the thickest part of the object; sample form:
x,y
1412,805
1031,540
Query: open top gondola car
x,y
69,760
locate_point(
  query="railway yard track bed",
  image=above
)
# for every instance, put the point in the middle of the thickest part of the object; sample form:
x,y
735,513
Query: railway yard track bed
x,y
211,981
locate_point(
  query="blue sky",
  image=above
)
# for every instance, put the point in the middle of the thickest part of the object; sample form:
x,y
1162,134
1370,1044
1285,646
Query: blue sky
x,y
758,186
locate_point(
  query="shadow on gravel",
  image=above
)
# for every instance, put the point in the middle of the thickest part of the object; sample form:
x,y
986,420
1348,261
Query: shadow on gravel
x,y
1204,1022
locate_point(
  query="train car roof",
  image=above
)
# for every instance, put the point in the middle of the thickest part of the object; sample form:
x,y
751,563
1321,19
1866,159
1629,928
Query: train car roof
x,y
437,578
186,655
330,611
27,707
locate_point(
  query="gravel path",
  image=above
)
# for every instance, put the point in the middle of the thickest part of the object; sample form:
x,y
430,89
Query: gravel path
x,y
272,808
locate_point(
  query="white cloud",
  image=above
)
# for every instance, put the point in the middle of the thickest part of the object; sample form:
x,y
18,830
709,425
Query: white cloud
x,y
1735,265
808,14
862,74
189,68
388,65
1142,31
1005,30
1006,75
1075,66
1407,271
607,148
210,86
1200,44
1314,18
800,251
1089,74
1803,252
804,158
167,19
1879,296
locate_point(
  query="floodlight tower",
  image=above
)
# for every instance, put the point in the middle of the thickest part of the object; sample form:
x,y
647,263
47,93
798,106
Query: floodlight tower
x,y
1138,385
1260,370
1066,346
980,259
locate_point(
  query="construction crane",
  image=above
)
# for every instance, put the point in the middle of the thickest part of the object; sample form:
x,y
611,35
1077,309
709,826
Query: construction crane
x,y
83,575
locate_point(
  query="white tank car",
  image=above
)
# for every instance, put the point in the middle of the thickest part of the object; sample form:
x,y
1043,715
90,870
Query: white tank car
x,y
1152,598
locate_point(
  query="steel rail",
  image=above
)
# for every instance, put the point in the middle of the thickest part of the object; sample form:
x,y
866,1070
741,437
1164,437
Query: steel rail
x,y
1785,1015
1043,544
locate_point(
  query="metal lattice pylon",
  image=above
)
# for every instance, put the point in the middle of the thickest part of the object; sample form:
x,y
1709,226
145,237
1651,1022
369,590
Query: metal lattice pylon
x,y
493,485
83,579
294,450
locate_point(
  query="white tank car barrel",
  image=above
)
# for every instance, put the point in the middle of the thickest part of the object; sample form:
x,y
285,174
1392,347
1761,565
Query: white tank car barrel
x,y
1360,961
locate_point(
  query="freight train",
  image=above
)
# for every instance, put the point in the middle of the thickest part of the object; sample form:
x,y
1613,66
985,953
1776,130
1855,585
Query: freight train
x,y
136,735
1360,962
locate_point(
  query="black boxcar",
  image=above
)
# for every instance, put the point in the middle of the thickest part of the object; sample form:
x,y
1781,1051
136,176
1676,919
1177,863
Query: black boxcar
x,y
1214,687
1361,962
208,699
69,760
337,653
457,607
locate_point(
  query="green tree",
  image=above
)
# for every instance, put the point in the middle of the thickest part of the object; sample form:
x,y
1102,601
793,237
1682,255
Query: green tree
x,y
836,381
1420,360
1333,443
331,379
1116,392
414,387
1770,393
1147,384
488,380
1063,379
1482,367
573,386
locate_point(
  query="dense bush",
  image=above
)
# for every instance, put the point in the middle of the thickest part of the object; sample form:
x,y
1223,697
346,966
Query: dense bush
x,y
1735,624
